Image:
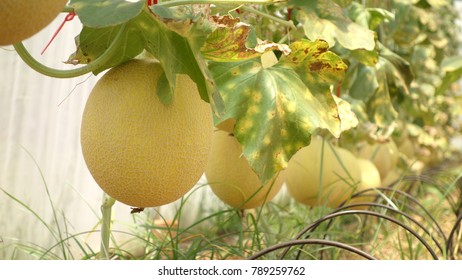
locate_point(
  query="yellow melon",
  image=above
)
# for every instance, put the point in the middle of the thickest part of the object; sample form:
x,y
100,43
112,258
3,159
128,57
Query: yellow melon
x,y
395,179
370,175
320,174
407,148
232,179
227,125
140,151
20,19
370,178
385,156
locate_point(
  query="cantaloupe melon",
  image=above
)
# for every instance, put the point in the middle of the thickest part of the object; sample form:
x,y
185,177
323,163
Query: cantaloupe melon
x,y
320,174
140,151
20,19
232,179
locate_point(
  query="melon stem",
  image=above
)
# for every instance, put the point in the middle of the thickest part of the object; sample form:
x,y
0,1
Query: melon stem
x,y
98,63
106,211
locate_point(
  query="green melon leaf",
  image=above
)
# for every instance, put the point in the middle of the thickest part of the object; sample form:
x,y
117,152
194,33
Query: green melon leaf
x,y
380,86
452,67
369,17
327,20
93,42
378,16
407,26
369,58
103,13
278,108
343,3
175,42
164,91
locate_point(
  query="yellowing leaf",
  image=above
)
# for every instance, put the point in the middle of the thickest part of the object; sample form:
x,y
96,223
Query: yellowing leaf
x,y
228,42
278,108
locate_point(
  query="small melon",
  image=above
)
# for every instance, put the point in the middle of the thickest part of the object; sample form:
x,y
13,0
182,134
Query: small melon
x,y
370,179
321,174
232,179
385,156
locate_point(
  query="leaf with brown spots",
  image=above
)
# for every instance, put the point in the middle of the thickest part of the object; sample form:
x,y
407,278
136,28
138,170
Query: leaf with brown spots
x,y
278,108
228,42
317,67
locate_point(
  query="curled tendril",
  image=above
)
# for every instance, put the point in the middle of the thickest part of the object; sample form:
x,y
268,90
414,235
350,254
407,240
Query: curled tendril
x,y
72,73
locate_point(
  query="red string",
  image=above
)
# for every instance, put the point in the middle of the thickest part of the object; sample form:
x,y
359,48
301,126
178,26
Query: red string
x,y
70,16
289,13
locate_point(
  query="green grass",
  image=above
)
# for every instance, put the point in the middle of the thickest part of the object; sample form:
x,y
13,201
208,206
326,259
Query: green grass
x,y
412,224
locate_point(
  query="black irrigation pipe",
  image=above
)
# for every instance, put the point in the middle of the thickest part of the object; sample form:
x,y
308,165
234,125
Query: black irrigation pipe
x,y
400,213
415,201
399,192
452,236
412,209
302,242
341,211
376,205
366,212
452,202
455,204
425,177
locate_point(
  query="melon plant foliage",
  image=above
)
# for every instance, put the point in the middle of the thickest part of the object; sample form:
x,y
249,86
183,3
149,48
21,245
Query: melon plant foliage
x,y
353,70
276,108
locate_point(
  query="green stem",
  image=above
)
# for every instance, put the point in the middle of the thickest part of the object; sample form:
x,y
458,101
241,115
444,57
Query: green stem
x,y
103,59
106,211
284,39
68,9
285,23
174,3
